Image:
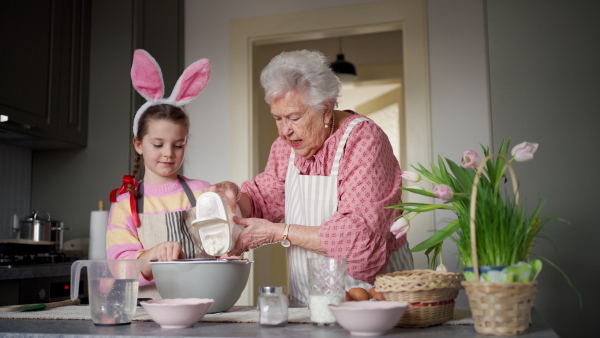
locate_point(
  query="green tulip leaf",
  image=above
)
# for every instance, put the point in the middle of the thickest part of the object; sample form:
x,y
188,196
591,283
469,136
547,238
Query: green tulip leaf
x,y
438,237
536,267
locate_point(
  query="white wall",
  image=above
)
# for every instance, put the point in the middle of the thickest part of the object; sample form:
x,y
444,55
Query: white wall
x,y
544,88
460,113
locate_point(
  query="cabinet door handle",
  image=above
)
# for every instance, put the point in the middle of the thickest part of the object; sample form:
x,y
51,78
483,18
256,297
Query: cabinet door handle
x,y
5,119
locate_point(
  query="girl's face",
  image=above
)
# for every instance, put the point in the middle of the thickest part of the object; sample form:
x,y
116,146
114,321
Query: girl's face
x,y
301,127
163,150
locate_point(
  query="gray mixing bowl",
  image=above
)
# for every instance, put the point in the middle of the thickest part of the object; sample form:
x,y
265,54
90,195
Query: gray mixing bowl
x,y
220,279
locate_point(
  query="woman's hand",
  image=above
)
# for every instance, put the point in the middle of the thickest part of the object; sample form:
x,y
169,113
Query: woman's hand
x,y
230,191
257,232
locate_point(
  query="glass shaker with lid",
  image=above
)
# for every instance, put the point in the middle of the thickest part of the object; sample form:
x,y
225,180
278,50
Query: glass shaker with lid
x,y
272,306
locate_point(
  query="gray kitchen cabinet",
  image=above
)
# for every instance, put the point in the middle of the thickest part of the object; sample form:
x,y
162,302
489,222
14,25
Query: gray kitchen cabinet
x,y
44,73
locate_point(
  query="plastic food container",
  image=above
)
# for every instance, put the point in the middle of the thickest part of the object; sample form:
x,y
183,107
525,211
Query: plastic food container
x,y
214,221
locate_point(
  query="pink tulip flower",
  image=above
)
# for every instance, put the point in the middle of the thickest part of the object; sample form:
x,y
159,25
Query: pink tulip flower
x,y
470,160
411,176
400,227
443,192
524,151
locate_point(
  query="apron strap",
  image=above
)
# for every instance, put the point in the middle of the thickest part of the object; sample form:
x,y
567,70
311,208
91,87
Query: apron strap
x,y
292,156
186,188
188,191
139,201
340,150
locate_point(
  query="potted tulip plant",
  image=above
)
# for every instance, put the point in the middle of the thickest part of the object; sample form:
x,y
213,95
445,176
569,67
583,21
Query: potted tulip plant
x,y
492,231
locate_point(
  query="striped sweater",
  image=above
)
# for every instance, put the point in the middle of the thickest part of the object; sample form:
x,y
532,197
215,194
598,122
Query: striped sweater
x,y
122,239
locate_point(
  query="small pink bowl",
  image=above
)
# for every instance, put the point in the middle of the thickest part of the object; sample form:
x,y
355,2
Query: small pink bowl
x,y
368,318
177,313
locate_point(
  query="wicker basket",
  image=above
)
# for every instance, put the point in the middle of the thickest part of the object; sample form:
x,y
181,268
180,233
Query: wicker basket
x,y
501,308
497,308
430,295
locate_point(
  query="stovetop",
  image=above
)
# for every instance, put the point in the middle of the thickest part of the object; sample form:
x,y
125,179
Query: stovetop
x,y
15,260
40,265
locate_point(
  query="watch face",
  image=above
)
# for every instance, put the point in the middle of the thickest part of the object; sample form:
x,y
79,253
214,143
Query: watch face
x,y
285,243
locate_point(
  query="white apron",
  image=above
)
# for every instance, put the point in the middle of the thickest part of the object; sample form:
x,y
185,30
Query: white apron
x,y
170,227
311,201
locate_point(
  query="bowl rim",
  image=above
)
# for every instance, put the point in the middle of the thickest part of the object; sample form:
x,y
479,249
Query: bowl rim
x,y
170,302
369,305
204,261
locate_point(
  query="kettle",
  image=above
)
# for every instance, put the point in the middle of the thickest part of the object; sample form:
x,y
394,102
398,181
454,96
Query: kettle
x,y
214,221
40,227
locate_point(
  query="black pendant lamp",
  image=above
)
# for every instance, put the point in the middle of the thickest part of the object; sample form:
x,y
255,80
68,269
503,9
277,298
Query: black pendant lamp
x,y
344,70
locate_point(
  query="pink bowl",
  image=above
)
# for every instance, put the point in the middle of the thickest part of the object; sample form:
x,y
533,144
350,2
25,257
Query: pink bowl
x,y
178,312
368,318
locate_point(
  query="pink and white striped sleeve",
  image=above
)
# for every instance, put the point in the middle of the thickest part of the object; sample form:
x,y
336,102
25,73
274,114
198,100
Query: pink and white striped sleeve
x,y
122,241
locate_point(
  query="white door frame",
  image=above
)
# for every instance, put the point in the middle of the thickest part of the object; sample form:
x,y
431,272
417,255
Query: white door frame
x,y
407,15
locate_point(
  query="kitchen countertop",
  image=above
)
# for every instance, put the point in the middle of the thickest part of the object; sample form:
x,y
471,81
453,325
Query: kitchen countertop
x,y
40,328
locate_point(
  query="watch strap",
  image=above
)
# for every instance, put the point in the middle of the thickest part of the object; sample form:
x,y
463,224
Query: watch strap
x,y
285,242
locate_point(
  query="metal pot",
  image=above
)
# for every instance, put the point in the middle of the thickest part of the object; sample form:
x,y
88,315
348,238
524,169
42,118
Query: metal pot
x,y
37,229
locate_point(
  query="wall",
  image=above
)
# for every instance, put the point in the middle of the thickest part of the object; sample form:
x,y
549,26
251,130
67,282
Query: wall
x,y
460,113
544,88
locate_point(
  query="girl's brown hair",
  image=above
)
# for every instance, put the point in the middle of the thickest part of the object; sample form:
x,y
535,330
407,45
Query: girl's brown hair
x,y
155,113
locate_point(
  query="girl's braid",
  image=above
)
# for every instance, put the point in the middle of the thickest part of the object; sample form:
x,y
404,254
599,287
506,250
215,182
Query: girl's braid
x,y
136,168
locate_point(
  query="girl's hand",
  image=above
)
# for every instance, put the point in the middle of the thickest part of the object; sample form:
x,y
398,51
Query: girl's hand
x,y
257,232
168,251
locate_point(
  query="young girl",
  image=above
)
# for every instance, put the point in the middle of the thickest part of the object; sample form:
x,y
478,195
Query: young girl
x,y
152,219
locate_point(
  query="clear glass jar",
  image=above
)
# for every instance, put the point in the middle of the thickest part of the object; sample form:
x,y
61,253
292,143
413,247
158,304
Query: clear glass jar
x,y
272,306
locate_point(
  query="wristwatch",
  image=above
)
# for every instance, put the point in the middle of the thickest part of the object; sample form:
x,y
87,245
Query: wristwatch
x,y
285,242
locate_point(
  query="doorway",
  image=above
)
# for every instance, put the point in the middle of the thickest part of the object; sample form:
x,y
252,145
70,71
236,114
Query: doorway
x,y
376,93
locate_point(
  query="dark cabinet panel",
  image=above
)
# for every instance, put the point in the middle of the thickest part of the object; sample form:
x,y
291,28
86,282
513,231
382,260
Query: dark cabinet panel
x,y
45,72
74,70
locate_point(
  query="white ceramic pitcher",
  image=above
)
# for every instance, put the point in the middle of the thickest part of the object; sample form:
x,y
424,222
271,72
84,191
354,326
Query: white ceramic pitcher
x,y
112,287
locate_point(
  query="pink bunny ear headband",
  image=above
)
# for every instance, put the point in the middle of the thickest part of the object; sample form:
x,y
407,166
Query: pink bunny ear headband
x,y
147,79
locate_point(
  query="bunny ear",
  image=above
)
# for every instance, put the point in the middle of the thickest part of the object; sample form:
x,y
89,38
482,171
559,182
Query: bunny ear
x,y
191,83
146,76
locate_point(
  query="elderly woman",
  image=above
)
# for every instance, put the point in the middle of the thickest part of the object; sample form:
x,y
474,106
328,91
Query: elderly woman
x,y
329,175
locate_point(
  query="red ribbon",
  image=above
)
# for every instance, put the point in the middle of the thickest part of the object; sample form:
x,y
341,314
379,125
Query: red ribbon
x,y
127,180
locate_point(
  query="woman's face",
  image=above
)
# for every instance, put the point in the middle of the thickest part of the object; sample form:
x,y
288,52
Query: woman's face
x,y
301,127
163,148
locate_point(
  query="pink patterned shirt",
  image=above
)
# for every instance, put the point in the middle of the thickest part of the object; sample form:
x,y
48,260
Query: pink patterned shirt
x,y
368,181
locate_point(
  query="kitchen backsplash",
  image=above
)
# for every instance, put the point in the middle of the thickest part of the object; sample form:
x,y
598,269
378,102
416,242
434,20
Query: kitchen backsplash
x,y
15,186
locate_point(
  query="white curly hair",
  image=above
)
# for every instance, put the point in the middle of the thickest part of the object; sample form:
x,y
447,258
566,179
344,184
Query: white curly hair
x,y
304,71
